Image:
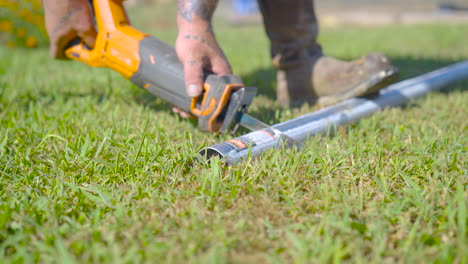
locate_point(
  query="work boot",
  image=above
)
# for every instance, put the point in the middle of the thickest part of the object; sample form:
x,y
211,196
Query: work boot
x,y
305,75
326,81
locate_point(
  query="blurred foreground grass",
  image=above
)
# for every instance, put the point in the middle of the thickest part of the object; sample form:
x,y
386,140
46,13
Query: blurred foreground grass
x,y
94,169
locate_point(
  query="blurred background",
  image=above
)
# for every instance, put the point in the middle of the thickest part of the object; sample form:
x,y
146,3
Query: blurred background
x,y
21,21
367,12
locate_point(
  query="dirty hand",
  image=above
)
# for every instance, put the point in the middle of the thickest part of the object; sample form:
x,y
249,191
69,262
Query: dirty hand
x,y
67,20
196,45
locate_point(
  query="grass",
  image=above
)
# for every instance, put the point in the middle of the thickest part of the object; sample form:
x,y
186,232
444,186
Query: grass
x,y
94,169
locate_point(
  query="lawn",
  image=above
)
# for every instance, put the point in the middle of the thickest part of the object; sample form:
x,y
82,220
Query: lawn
x,y
93,169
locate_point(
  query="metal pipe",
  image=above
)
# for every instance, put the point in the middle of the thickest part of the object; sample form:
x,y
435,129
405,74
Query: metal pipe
x,y
325,120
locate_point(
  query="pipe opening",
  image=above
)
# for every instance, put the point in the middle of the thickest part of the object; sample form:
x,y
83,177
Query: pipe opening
x,y
210,152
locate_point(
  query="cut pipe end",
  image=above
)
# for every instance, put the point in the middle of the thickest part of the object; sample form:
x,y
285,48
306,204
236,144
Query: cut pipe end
x,y
210,152
221,150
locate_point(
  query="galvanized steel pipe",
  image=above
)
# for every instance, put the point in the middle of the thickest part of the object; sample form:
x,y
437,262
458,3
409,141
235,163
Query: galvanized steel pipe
x,y
322,121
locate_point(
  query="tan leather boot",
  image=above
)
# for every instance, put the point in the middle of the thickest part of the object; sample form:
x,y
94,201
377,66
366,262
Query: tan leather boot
x,y
325,81
305,75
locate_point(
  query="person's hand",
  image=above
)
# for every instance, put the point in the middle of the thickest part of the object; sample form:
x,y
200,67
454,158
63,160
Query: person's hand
x,y
199,51
196,46
67,20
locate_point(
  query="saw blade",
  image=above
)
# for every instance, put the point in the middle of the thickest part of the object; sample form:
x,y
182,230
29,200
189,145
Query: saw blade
x,y
254,124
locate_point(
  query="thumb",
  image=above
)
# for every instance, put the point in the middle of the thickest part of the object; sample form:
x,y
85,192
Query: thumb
x,y
193,78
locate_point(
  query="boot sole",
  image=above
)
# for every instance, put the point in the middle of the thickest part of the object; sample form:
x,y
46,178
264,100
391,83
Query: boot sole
x,y
368,87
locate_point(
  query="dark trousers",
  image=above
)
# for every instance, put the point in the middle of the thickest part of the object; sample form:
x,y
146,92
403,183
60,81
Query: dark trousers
x,y
291,26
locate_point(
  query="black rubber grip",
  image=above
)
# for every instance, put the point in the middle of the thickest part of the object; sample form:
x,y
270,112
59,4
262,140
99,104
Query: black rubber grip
x,y
161,73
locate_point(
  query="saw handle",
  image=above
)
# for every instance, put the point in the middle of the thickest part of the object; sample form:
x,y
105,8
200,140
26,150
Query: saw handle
x,y
152,65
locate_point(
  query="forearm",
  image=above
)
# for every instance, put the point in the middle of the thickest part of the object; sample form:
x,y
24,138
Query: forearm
x,y
195,14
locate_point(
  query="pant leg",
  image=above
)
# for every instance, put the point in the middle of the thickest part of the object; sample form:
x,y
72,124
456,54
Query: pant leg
x,y
291,26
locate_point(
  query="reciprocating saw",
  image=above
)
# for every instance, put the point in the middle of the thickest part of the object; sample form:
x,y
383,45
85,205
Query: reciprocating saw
x,y
154,66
